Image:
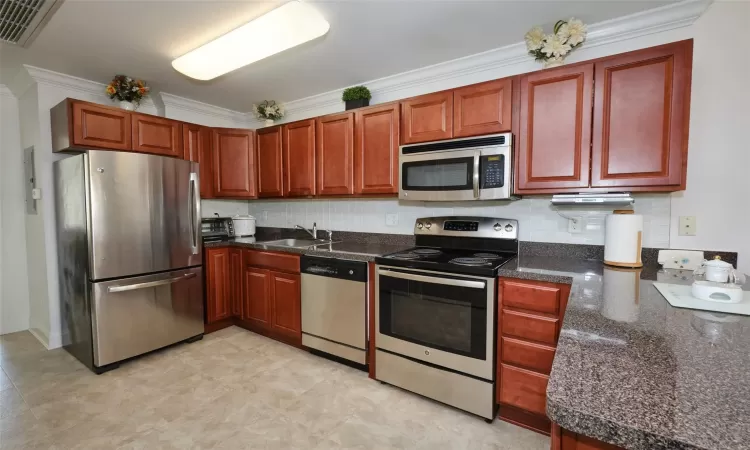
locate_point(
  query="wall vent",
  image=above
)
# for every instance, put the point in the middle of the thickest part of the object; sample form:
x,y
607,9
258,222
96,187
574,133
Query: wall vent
x,y
22,20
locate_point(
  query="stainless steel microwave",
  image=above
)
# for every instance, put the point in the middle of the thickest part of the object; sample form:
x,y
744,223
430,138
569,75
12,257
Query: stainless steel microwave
x,y
476,168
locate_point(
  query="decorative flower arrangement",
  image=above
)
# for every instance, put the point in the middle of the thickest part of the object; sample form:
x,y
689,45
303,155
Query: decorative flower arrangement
x,y
552,48
269,111
128,91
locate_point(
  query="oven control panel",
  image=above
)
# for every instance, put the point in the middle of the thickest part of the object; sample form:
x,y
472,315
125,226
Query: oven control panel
x,y
482,227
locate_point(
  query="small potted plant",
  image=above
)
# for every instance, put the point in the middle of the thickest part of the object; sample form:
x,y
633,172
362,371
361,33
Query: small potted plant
x,y
128,91
268,111
356,97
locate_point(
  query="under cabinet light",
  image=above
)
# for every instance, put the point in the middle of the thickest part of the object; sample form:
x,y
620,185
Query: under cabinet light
x,y
287,26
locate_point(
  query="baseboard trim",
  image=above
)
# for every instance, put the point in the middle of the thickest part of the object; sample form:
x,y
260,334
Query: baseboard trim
x,y
41,336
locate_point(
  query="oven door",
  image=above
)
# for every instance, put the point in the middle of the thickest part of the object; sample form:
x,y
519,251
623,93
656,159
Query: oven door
x,y
438,318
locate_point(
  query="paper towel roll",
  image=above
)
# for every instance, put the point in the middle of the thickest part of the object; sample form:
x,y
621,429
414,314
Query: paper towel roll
x,y
622,240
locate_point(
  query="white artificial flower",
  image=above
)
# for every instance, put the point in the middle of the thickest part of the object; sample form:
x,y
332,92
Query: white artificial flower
x,y
534,38
575,30
553,46
256,112
563,32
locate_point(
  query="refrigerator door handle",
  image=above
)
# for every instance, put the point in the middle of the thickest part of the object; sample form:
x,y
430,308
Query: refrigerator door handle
x,y
150,284
195,208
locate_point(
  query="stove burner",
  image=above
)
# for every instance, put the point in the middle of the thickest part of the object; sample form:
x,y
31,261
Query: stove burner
x,y
426,251
406,255
486,255
470,261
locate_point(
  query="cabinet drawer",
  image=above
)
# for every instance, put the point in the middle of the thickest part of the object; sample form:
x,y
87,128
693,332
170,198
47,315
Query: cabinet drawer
x,y
543,298
524,389
280,261
527,354
528,326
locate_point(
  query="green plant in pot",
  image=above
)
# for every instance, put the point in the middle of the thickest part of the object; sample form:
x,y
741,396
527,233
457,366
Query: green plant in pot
x,y
356,97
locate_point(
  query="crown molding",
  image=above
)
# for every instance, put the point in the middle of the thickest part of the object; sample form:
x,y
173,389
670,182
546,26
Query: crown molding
x,y
186,104
6,92
61,80
665,18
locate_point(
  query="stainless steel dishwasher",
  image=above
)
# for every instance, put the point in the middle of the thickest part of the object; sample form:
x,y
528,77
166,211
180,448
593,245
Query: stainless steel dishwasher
x,y
334,307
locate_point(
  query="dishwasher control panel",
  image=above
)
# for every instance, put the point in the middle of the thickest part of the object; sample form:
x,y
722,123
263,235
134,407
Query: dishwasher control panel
x,y
334,268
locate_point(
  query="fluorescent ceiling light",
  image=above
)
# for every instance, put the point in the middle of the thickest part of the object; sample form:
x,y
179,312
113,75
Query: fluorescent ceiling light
x,y
287,26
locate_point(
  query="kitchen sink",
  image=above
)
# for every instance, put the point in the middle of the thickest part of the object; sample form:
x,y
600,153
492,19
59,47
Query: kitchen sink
x,y
297,243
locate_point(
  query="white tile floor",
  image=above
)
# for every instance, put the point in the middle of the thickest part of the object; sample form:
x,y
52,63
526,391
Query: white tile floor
x,y
232,390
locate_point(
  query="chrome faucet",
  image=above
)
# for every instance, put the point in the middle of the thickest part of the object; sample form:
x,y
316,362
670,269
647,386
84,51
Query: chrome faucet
x,y
313,233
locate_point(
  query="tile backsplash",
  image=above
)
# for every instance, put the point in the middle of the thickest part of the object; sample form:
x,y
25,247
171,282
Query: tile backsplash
x,y
538,220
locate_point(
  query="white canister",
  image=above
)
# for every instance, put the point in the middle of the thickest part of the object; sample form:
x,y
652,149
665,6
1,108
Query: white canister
x,y
623,238
243,225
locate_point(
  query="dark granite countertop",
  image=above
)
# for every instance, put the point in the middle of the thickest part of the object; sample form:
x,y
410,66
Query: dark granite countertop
x,y
359,251
633,371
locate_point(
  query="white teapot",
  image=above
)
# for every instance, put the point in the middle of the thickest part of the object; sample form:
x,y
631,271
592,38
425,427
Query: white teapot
x,y
719,271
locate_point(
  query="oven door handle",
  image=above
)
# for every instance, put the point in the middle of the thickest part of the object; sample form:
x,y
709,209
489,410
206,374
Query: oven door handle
x,y
434,280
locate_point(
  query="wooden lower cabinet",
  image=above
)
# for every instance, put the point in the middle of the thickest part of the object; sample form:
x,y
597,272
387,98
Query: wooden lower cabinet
x,y
529,318
562,439
257,290
286,319
272,295
218,290
236,299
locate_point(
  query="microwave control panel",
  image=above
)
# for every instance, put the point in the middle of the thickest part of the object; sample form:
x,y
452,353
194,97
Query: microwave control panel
x,y
492,171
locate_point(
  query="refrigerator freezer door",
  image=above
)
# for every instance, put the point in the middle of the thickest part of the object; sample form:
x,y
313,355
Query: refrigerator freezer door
x,y
135,315
144,214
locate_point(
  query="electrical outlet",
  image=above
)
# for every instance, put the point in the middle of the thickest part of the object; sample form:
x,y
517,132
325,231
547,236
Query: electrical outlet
x,y
575,224
391,220
687,226
265,216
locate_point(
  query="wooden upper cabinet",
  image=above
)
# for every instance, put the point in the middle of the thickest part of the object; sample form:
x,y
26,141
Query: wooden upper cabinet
x,y
157,135
483,108
335,154
298,140
286,315
196,144
376,149
641,109
270,168
218,289
95,126
554,140
427,118
234,163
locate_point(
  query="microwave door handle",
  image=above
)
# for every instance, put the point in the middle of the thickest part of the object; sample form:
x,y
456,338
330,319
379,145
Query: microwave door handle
x,y
433,280
476,175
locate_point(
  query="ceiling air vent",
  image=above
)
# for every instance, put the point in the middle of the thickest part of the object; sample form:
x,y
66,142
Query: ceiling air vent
x,y
22,20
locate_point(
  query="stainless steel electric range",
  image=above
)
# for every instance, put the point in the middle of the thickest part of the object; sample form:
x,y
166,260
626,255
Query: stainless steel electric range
x,y
435,310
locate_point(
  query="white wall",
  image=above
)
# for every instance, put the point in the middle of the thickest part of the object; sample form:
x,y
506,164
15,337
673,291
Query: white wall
x,y
719,153
14,292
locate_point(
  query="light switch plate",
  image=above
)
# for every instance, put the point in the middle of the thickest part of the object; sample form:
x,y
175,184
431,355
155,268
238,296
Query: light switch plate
x,y
687,226
391,220
680,259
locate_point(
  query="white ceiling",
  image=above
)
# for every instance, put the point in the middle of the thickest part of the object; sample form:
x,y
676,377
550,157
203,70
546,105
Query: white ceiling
x,y
369,39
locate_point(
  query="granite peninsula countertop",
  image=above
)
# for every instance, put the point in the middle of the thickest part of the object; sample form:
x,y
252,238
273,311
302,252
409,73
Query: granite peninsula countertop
x,y
633,371
359,251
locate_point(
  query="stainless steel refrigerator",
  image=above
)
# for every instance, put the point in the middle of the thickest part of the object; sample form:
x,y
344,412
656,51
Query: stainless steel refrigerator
x,y
130,254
